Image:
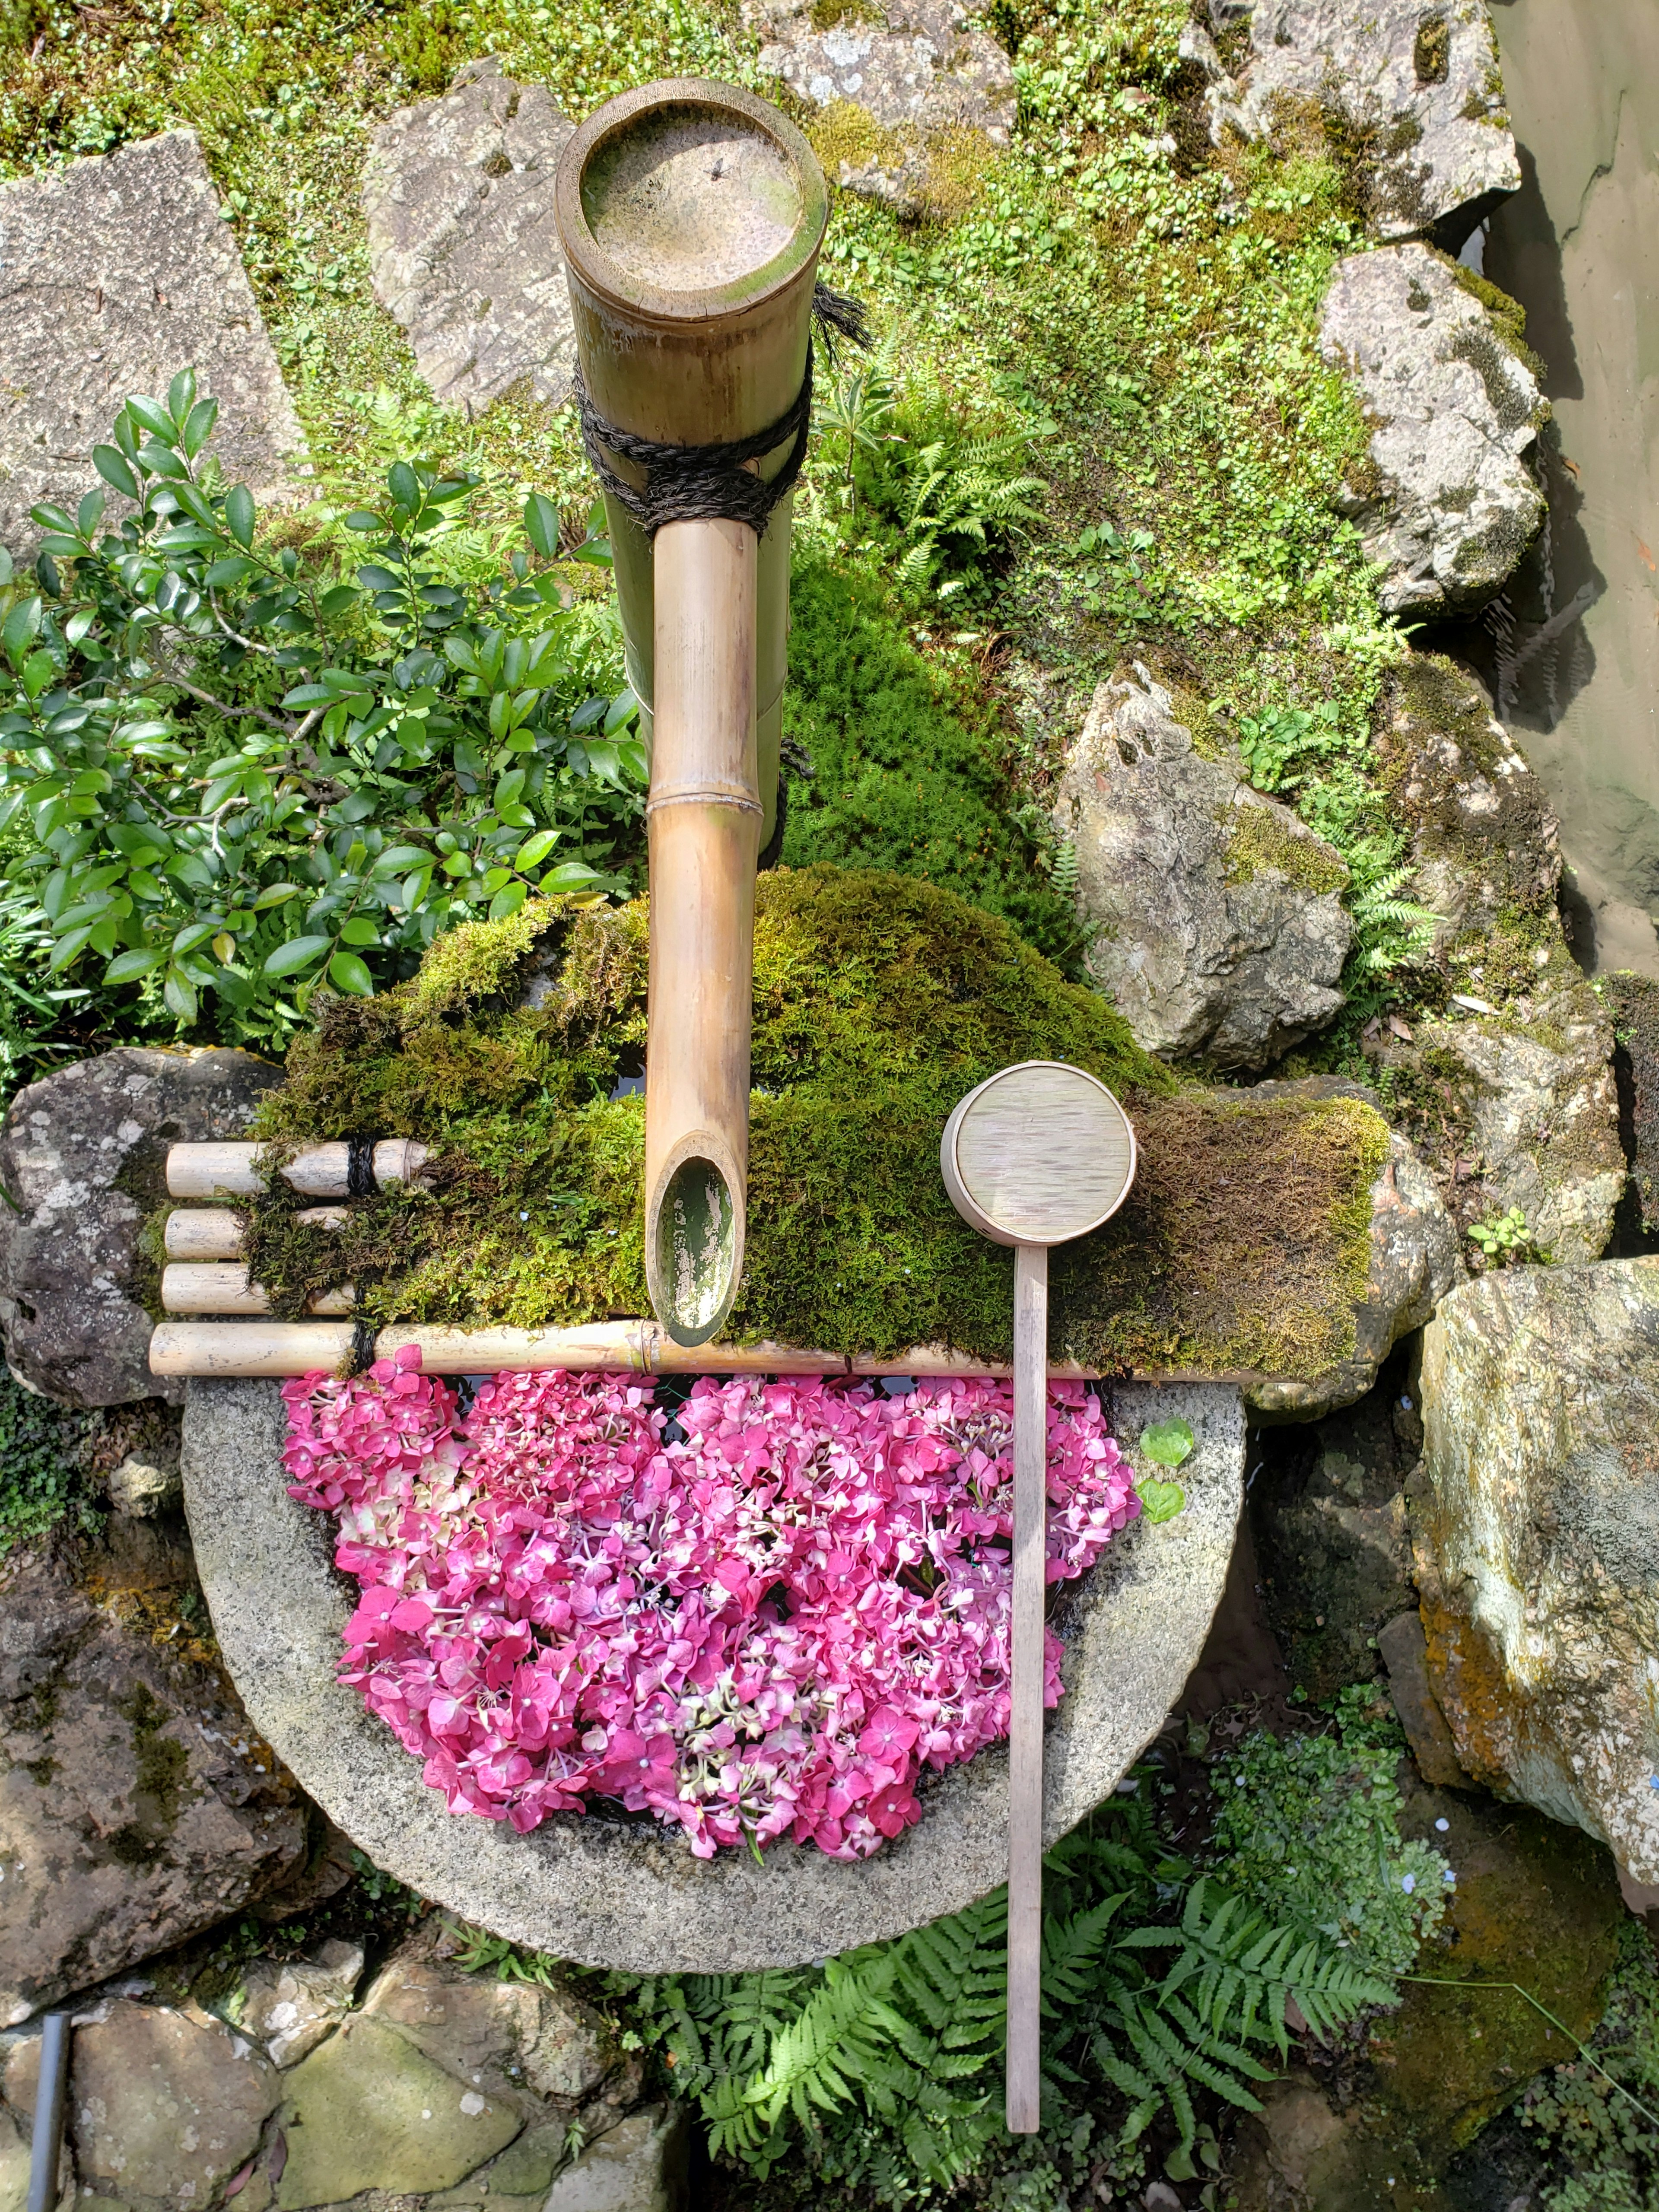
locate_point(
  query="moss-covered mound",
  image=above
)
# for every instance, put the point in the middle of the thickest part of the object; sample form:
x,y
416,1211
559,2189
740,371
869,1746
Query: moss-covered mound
x,y
880,1000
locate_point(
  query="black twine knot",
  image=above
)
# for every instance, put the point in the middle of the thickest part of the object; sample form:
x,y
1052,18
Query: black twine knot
x,y
359,1168
711,483
361,1358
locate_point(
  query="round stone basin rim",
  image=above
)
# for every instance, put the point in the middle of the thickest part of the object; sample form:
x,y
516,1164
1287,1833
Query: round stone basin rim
x,y
606,1893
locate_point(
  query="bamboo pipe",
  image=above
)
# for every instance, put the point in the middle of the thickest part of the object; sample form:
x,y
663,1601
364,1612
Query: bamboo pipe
x,y
691,214
189,1289
214,1232
316,1171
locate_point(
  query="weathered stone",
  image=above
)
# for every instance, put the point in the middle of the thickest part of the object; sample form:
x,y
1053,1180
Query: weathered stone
x,y
1413,95
1414,1261
291,2005
134,1810
1536,1530
162,2107
637,2166
1404,1650
1328,1508
499,2036
145,1486
83,1159
1543,1115
458,194
1633,1003
1222,927
115,273
915,68
1486,855
366,2110
606,1891
1448,501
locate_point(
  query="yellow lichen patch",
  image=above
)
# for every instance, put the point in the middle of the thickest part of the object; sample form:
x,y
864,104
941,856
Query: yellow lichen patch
x,y
1264,841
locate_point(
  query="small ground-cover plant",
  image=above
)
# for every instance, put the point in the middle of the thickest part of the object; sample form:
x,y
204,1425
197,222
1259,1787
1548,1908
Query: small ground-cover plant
x,y
1597,2122
45,1452
1308,1826
232,768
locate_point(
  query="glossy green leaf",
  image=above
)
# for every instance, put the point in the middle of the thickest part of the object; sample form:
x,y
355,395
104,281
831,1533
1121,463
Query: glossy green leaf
x,y
541,524
1160,1501
128,967
347,973
1167,1442
239,514
299,952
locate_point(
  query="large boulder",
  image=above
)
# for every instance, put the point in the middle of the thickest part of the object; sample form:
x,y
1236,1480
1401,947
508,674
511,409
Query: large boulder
x,y
135,1805
458,195
83,1161
902,77
1536,1530
1410,94
115,273
1448,502
1220,931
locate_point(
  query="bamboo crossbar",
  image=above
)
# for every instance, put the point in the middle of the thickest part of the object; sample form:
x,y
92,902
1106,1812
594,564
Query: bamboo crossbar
x,y
214,1232
254,1347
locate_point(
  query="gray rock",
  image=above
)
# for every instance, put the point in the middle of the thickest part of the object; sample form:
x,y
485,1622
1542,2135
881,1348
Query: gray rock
x,y
134,1806
115,273
1414,93
1450,503
1543,1115
368,2110
458,194
1222,930
291,2005
611,1892
1536,1530
637,2166
163,2107
1403,1649
83,1160
1632,1002
914,68
1327,1507
147,1485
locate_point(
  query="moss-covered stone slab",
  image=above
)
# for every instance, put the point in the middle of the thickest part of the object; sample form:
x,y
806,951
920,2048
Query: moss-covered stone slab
x,y
622,1893
1245,1247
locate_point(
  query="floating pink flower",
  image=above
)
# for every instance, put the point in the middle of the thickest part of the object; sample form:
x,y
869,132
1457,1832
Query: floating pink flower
x,y
765,1626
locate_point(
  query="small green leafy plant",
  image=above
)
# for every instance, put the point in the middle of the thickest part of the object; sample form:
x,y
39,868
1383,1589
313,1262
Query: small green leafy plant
x,y
1597,2122
1166,1444
1308,1826
1501,1236
236,769
883,2067
45,1453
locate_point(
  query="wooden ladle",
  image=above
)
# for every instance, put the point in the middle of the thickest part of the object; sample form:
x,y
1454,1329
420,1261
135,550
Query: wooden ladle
x,y
1037,1155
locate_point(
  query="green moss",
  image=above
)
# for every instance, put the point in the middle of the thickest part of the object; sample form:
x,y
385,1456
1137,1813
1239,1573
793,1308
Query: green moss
x,y
878,1001
1508,317
1264,842
45,1453
904,776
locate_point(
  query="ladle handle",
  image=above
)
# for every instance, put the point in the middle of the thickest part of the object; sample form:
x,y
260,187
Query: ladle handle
x,y
1025,1721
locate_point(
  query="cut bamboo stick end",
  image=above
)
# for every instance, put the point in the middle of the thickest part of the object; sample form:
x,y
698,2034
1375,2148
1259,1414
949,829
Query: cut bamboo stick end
x,y
214,1232
189,1289
316,1171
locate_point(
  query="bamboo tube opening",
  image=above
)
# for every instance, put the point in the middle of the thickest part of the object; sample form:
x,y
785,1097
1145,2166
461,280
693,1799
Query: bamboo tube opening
x,y
691,214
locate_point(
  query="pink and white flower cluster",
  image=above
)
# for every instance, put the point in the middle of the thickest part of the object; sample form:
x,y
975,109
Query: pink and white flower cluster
x,y
766,1628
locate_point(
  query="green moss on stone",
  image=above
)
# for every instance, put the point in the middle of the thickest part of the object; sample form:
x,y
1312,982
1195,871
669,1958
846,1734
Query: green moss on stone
x,y
878,1001
1264,841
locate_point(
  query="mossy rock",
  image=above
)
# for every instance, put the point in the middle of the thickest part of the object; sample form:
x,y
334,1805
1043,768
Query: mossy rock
x,y
880,1000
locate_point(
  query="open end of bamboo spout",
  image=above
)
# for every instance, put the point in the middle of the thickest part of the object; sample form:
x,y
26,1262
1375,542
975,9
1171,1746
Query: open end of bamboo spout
x,y
694,1251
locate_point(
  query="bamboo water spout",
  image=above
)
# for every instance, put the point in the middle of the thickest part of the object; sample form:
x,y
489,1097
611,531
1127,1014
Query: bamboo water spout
x,y
691,214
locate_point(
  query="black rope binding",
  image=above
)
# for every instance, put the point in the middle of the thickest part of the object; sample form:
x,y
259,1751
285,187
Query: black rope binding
x,y
361,1358
709,484
359,1168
